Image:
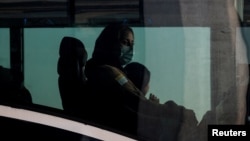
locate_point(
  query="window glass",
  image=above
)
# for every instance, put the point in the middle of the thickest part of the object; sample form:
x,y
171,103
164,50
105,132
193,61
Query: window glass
x,y
98,12
5,47
177,60
246,33
34,13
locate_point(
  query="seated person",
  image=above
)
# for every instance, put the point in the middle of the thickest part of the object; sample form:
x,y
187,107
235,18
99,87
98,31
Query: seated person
x,y
139,74
11,88
118,98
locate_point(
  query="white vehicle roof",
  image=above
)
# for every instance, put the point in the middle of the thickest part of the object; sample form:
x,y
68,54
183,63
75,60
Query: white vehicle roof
x,y
61,123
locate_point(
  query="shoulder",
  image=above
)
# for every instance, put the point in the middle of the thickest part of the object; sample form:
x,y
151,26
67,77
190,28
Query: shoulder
x,y
111,68
116,73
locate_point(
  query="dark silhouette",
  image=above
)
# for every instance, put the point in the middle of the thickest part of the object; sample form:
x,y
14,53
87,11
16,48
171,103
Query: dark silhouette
x,y
12,90
139,74
117,102
72,80
106,79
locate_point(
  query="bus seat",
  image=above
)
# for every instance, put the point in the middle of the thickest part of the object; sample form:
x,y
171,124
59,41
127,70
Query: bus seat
x,y
70,68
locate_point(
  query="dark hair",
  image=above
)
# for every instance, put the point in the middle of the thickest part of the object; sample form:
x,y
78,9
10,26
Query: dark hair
x,y
138,74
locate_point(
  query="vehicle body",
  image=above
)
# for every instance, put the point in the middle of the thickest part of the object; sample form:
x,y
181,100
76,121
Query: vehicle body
x,y
196,50
44,123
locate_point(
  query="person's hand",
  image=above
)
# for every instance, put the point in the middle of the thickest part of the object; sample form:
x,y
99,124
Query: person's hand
x,y
154,98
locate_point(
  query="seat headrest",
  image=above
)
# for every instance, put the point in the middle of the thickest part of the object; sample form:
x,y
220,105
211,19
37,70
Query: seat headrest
x,y
72,56
71,47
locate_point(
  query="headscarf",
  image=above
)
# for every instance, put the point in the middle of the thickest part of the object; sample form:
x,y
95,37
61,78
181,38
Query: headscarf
x,y
107,46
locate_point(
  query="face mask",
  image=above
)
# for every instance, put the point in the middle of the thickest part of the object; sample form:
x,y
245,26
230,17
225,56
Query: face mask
x,y
126,54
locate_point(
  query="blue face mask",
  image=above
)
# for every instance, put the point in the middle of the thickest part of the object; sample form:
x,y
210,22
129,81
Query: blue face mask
x,y
126,54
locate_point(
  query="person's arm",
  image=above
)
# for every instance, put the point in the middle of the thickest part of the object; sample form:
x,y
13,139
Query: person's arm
x,y
133,98
123,81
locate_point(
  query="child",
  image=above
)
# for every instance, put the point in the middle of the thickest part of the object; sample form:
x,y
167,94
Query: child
x,y
140,76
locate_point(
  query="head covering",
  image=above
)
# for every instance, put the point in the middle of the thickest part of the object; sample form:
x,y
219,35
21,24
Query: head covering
x,y
107,46
138,74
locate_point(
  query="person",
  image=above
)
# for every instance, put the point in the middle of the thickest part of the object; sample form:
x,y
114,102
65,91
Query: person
x,y
113,50
105,73
139,74
125,107
114,46
12,89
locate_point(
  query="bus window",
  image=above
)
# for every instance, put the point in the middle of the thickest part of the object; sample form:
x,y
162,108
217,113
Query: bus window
x,y
4,47
197,52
